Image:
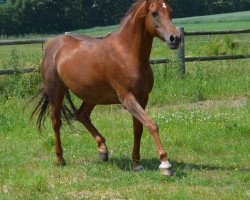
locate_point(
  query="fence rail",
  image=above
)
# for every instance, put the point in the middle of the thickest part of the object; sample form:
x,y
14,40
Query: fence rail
x,y
17,71
217,32
210,58
27,41
181,50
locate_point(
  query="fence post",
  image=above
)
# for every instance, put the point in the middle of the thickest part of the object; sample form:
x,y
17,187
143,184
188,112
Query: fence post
x,y
181,51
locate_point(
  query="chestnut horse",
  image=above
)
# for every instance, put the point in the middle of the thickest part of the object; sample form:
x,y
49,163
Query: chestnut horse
x,y
111,70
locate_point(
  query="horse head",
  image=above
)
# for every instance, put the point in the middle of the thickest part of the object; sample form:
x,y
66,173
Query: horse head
x,y
159,23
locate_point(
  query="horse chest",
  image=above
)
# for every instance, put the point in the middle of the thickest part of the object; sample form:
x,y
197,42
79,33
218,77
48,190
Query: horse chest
x,y
144,84
139,82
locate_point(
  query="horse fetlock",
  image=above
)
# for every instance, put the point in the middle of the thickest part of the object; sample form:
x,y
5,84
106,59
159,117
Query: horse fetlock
x,y
163,156
60,161
103,152
102,147
101,142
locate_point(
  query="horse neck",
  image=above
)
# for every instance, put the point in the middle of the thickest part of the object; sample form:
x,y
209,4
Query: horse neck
x,y
136,37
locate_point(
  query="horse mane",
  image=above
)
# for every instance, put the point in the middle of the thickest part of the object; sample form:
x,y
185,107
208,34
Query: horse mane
x,y
132,10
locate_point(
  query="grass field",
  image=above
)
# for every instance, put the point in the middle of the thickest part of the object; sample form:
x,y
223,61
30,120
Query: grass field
x,y
208,147
204,123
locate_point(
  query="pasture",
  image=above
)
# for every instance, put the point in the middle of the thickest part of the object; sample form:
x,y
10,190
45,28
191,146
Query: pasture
x,y
204,123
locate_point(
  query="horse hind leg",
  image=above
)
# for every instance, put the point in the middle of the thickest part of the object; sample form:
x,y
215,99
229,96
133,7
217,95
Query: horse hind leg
x,y
55,90
56,123
83,116
138,129
55,94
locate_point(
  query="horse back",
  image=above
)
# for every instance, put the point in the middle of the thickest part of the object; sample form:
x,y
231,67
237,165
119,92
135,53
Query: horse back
x,y
55,45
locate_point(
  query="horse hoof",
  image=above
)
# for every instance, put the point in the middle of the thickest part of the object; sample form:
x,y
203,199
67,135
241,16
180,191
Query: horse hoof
x,y
138,168
103,156
167,172
60,162
166,169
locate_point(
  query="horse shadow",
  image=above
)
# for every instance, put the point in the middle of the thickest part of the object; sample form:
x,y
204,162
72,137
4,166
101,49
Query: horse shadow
x,y
181,168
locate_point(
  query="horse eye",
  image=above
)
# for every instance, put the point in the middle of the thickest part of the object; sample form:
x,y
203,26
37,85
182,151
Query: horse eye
x,y
155,14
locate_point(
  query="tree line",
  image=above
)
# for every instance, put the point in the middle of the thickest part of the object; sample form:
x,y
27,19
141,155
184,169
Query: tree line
x,y
53,16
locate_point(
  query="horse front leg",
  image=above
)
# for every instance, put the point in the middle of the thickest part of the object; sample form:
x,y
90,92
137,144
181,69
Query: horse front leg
x,y
83,116
131,104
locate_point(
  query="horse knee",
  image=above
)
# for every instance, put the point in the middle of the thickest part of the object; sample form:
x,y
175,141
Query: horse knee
x,y
153,128
83,118
86,120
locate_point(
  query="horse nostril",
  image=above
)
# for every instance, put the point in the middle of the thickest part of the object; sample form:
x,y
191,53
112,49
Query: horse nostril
x,y
172,38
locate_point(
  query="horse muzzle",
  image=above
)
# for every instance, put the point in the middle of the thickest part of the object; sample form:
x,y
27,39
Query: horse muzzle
x,y
173,40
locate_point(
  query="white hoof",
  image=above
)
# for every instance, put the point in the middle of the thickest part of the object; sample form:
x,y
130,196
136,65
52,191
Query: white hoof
x,y
138,168
166,169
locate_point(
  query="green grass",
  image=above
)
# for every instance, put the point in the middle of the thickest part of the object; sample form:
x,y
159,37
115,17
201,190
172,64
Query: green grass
x,y
207,142
237,20
209,149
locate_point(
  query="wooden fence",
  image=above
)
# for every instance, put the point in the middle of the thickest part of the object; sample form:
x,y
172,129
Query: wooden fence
x,y
181,50
184,59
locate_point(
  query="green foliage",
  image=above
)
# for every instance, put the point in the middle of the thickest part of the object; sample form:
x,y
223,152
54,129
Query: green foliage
x,y
220,46
19,85
37,16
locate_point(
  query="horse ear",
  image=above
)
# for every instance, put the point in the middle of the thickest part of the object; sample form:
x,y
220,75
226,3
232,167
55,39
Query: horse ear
x,y
145,10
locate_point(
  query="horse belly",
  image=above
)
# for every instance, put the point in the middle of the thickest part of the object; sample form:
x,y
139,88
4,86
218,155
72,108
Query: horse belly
x,y
96,94
88,87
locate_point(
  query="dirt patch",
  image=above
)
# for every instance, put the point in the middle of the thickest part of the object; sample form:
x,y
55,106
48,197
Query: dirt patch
x,y
208,104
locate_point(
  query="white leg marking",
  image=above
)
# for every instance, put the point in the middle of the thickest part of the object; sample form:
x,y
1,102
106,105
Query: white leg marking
x,y
165,165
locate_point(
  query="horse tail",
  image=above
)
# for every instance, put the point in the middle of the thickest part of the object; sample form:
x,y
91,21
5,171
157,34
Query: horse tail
x,y
69,109
41,108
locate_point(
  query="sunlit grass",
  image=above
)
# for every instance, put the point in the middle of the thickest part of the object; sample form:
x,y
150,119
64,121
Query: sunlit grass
x,y
207,147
